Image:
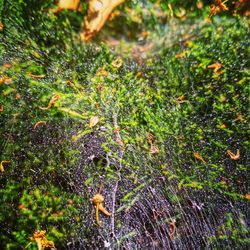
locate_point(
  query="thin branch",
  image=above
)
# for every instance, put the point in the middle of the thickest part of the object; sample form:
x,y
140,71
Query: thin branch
x,y
120,154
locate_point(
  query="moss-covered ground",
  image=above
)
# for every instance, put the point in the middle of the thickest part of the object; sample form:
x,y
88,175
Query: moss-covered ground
x,y
169,150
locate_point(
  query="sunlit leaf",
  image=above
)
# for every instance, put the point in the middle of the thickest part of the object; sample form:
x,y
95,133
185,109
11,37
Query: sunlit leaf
x,y
234,156
93,121
1,165
39,123
52,101
42,243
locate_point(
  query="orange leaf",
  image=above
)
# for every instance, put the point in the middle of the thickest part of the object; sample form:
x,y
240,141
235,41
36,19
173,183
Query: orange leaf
x,y
234,156
5,80
52,101
39,123
247,196
42,243
7,65
181,54
216,67
36,76
218,6
199,157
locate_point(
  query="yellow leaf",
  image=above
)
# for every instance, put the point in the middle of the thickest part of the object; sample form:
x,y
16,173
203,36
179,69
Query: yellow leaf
x,y
42,243
98,200
102,72
93,121
1,165
117,63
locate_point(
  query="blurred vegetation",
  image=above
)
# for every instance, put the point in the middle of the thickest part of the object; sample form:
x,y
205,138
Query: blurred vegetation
x,y
170,91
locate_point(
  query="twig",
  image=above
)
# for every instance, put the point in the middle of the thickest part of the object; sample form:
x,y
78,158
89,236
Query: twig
x,y
120,154
113,209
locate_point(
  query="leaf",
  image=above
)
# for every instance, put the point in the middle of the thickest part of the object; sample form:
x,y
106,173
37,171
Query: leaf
x,y
234,156
154,149
1,165
5,80
72,113
199,157
39,123
42,243
35,76
98,200
52,101
181,54
102,72
1,26
93,121
117,63
216,67
218,6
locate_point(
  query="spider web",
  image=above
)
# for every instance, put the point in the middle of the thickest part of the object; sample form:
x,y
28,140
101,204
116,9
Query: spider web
x,y
166,201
